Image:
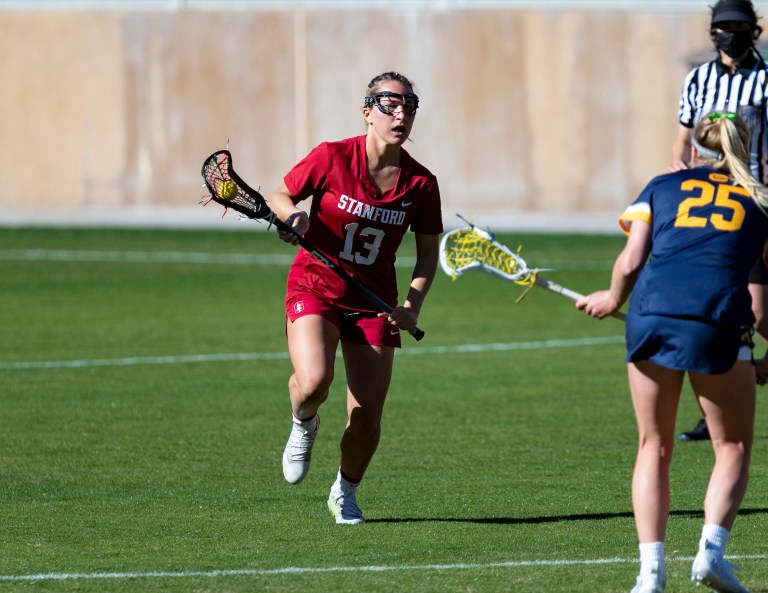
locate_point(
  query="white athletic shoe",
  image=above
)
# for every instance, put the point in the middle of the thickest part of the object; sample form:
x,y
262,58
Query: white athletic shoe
x,y
711,569
343,507
298,452
650,584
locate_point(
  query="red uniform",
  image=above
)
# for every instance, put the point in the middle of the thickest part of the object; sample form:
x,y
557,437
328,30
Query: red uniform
x,y
356,225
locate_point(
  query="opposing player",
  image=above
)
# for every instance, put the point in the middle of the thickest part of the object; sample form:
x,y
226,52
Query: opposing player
x,y
367,192
736,81
689,314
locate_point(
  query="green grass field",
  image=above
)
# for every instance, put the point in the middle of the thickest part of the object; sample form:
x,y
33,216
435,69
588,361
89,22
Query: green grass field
x,y
143,413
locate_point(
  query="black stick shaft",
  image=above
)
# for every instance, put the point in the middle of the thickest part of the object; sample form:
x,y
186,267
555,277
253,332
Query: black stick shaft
x,y
381,305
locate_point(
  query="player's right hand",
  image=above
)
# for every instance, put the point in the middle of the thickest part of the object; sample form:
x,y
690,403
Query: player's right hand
x,y
599,304
299,222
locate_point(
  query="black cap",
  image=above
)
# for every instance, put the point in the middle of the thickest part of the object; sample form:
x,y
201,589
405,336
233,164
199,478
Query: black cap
x,y
734,10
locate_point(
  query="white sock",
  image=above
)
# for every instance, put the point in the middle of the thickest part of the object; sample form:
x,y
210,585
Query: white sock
x,y
342,485
717,537
309,425
652,556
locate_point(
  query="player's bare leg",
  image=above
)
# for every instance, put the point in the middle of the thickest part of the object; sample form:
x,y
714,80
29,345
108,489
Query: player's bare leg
x,y
728,402
312,342
369,372
655,397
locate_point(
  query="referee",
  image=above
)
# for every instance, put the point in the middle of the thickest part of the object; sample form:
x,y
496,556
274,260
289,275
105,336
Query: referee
x,y
737,81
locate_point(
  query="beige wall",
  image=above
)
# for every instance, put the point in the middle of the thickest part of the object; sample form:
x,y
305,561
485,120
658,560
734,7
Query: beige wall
x,y
521,111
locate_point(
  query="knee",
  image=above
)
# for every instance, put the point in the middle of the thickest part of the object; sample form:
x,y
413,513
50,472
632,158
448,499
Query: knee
x,y
310,387
738,451
656,448
366,420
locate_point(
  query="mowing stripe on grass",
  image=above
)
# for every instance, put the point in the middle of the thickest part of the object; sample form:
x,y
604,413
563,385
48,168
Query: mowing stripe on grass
x,y
256,356
144,257
317,570
185,257
159,257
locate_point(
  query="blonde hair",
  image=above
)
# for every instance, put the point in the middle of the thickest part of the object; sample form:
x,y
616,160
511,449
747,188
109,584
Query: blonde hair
x,y
722,140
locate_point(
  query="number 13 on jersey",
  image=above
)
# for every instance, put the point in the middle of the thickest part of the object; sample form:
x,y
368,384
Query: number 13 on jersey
x,y
372,238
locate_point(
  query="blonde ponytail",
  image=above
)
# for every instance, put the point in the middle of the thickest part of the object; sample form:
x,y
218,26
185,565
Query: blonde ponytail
x,y
722,140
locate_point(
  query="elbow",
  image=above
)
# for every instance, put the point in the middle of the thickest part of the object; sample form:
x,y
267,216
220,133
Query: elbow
x,y
629,266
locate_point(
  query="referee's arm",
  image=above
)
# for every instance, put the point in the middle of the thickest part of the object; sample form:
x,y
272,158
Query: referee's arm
x,y
681,149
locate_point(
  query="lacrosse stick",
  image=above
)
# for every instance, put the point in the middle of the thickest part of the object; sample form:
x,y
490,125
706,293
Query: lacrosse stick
x,y
471,248
228,189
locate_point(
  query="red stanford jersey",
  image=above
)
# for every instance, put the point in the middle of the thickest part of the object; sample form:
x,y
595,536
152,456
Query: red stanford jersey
x,y
355,224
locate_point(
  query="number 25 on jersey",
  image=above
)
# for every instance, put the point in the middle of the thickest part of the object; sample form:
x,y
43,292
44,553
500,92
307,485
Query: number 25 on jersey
x,y
716,190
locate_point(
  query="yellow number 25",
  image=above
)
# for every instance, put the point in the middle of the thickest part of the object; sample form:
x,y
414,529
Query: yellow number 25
x,y
719,191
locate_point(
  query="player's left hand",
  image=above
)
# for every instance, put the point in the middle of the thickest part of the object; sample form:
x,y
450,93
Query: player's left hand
x,y
403,317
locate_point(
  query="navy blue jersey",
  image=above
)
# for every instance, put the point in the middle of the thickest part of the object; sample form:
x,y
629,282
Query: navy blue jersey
x,y
707,233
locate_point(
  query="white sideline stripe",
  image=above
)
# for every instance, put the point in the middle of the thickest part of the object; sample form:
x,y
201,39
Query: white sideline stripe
x,y
503,347
256,356
317,570
139,360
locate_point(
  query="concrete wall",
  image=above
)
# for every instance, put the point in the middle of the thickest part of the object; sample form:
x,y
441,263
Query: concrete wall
x,y
522,112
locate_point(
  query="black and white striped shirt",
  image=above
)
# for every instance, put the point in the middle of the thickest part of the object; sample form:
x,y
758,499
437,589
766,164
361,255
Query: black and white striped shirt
x,y
710,87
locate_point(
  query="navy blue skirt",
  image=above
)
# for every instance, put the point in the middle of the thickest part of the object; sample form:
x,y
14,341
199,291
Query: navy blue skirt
x,y
687,344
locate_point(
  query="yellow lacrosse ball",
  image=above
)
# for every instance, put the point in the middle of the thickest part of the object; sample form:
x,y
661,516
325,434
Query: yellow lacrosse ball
x,y
227,190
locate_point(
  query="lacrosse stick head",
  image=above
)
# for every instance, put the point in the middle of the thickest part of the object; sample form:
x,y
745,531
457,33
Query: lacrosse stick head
x,y
228,189
471,248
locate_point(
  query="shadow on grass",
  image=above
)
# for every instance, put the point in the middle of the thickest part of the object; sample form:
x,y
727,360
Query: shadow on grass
x,y
537,520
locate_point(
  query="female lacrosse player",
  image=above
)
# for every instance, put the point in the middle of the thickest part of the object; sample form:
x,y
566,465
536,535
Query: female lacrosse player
x,y
367,192
690,313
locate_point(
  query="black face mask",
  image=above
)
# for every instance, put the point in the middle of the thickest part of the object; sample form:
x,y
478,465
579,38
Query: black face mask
x,y
734,44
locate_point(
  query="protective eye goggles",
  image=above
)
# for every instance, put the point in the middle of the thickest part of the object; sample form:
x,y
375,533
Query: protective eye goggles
x,y
389,102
